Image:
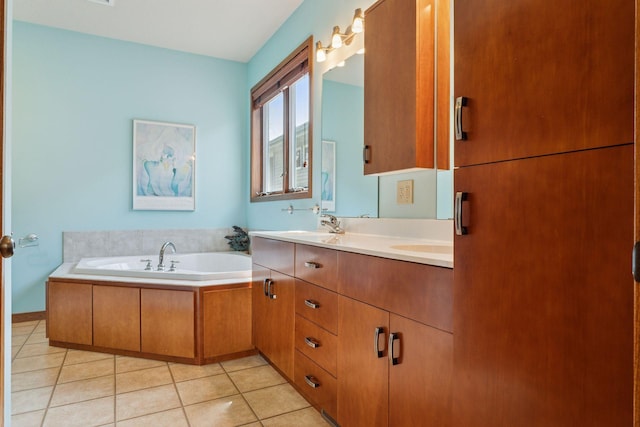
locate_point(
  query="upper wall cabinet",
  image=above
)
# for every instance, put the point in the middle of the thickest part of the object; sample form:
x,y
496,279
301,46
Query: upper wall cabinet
x,y
401,99
528,90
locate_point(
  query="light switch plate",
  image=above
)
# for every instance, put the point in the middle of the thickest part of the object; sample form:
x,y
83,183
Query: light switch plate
x,y
404,194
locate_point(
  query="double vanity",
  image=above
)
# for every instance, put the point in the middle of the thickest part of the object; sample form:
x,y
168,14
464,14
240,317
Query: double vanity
x,y
361,324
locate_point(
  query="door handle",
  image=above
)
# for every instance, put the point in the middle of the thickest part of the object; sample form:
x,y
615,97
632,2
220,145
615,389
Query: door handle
x,y
461,135
376,341
393,338
461,196
7,246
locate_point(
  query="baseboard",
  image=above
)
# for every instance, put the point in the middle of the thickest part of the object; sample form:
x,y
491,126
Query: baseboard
x,y
28,317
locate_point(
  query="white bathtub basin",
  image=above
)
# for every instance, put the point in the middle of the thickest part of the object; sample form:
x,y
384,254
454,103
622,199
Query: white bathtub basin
x,y
198,266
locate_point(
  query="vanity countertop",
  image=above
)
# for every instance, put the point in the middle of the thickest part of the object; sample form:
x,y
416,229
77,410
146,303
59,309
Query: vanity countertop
x,y
433,252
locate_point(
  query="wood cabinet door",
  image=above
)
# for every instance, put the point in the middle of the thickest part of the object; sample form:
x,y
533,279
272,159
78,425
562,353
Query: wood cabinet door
x,y
420,382
399,85
69,312
116,317
172,335
280,322
543,315
542,78
363,384
227,321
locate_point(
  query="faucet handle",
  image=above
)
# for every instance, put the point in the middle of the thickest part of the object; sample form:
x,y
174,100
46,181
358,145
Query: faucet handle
x,y
173,265
148,266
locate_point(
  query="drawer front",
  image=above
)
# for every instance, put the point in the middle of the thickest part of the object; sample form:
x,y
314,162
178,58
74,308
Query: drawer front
x,y
318,305
324,394
274,254
317,344
317,265
417,291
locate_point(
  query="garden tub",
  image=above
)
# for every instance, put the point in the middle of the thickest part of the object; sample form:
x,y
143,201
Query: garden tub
x,y
192,267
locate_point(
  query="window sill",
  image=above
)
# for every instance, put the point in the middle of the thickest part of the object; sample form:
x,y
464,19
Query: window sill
x,y
282,196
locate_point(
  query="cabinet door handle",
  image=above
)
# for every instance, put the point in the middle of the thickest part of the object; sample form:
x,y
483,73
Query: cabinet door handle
x,y
311,264
376,341
461,135
366,156
312,342
270,293
393,338
265,282
311,381
461,196
311,303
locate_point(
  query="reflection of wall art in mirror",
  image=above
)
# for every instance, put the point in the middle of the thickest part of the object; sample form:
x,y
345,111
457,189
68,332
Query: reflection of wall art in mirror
x,y
328,176
163,166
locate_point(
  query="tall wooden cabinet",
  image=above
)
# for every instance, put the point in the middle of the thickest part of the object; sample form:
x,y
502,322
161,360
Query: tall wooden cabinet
x,y
543,313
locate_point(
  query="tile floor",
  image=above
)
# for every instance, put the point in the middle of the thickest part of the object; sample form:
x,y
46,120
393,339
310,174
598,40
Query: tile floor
x,y
58,387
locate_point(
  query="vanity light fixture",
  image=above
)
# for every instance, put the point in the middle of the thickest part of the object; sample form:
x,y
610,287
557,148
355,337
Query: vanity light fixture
x,y
339,39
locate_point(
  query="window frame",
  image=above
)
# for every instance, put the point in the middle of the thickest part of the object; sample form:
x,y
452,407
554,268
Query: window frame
x,y
296,65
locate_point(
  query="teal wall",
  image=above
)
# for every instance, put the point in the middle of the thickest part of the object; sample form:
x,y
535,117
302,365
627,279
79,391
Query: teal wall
x,y
74,99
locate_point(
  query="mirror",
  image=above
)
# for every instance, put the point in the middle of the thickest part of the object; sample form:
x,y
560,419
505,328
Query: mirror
x,y
347,192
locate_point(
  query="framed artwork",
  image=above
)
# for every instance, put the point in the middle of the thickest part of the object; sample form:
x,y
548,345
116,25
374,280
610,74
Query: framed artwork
x,y
163,166
328,200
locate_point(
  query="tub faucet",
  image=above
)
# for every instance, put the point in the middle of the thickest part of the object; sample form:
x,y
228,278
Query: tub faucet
x,y
164,247
332,223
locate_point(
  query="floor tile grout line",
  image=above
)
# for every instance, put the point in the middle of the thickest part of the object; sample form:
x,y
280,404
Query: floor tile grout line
x,y
242,395
25,341
53,390
182,406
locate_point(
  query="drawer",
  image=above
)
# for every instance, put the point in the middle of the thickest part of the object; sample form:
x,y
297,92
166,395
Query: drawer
x,y
306,374
418,291
318,305
274,254
317,344
317,265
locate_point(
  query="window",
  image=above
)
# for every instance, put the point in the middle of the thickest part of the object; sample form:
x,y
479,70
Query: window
x,y
281,130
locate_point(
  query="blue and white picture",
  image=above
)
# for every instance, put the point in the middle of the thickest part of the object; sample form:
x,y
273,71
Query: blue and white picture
x,y
163,166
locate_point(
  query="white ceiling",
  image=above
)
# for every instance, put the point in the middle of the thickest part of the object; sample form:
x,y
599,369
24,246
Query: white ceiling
x,y
228,29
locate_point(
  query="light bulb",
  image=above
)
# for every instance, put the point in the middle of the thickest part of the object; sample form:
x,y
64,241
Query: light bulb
x,y
321,55
358,21
336,38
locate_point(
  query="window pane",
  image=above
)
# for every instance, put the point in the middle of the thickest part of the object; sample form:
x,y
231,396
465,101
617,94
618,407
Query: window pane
x,y
299,146
273,167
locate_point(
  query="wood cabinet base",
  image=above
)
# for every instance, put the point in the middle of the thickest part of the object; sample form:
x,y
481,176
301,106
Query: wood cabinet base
x,y
192,325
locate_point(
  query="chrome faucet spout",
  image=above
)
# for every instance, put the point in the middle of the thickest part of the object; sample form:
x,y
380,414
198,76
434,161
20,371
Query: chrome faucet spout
x,y
164,247
332,223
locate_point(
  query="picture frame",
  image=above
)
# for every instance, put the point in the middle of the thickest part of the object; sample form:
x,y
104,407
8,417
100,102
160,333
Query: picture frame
x,y
328,176
163,166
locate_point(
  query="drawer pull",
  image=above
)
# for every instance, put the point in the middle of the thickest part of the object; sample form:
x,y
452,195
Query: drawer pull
x,y
264,287
311,381
311,264
311,342
393,338
376,341
311,303
270,293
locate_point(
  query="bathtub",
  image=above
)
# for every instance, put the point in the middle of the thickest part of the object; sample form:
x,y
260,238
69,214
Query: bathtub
x,y
192,267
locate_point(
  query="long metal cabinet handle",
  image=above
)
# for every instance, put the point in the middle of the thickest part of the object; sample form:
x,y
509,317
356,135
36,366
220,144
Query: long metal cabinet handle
x,y
264,287
366,154
311,264
270,293
461,135
311,381
312,342
393,337
311,303
376,341
461,196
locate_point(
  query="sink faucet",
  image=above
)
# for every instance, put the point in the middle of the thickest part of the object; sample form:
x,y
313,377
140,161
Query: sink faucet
x,y
164,247
332,223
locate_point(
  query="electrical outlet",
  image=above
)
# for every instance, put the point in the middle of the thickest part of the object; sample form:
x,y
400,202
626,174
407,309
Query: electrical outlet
x,y
404,194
